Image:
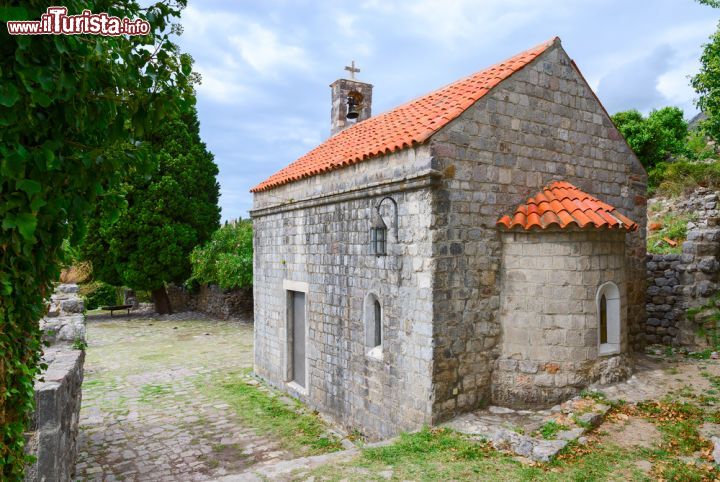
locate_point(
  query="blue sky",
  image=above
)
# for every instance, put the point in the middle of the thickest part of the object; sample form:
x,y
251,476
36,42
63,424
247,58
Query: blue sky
x,y
266,64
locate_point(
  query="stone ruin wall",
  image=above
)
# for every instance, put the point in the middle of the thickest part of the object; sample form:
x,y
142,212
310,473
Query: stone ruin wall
x,y
53,433
213,300
678,282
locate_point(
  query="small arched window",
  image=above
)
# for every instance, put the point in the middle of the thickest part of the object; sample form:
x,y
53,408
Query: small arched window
x,y
608,314
373,326
603,319
378,324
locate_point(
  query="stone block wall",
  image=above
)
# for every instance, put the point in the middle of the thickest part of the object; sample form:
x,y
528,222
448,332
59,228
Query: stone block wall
x,y
213,300
666,305
542,124
64,321
54,429
52,438
676,283
548,314
323,244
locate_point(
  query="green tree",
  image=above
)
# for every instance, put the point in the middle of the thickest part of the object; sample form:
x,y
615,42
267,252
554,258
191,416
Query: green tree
x,y
166,216
656,138
74,114
227,259
707,85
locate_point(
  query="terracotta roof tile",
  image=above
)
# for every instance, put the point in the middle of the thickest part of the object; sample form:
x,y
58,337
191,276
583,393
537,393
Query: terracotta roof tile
x,y
562,204
409,124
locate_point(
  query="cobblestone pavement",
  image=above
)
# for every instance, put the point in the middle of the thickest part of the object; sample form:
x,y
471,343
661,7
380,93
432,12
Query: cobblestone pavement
x,y
147,412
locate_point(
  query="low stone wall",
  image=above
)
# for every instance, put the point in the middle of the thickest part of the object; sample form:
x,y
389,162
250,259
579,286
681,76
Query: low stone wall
x,y
52,438
54,430
677,282
665,303
213,300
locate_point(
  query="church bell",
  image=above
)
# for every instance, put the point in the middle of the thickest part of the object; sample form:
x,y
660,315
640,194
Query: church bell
x,y
353,109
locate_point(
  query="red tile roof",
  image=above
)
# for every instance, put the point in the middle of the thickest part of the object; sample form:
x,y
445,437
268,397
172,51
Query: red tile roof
x,y
407,125
562,204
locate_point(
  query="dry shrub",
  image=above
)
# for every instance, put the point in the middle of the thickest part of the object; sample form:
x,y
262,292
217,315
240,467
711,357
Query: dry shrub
x,y
77,273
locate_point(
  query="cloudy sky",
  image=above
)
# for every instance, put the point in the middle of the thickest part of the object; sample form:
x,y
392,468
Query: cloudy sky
x,y
266,64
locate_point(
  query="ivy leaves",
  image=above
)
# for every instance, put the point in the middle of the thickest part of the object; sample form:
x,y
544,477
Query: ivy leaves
x,y
76,116
8,95
24,222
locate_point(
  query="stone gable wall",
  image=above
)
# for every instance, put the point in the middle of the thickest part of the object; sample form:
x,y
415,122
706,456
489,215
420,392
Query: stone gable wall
x,y
548,314
325,244
542,124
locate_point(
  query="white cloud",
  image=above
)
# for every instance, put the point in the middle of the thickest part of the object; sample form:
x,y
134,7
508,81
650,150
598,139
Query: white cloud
x,y
345,21
261,48
219,84
237,55
649,74
451,21
634,85
675,84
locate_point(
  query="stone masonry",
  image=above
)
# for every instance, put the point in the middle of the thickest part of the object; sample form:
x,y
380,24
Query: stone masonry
x,y
441,284
326,246
53,433
677,282
542,124
548,314
213,300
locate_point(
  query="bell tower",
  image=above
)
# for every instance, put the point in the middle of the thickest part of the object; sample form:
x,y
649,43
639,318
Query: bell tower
x,y
351,101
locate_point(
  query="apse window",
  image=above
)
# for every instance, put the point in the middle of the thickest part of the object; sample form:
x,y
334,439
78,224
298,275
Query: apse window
x,y
608,312
373,326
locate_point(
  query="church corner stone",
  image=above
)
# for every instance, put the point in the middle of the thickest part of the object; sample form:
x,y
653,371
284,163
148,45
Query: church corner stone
x,y
458,295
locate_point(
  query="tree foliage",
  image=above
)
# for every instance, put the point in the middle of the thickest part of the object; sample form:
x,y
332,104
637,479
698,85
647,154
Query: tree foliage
x,y
74,114
227,260
165,216
654,138
707,85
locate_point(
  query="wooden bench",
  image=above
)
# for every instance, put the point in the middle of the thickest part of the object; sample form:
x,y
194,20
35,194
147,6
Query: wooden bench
x,y
113,308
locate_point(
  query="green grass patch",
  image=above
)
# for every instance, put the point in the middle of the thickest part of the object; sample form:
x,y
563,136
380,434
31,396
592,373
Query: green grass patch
x,y
428,442
701,355
680,177
678,422
87,383
679,471
151,391
442,454
674,226
550,429
268,412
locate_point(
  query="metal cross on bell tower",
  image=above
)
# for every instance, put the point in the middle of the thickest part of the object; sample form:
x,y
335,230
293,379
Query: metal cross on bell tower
x,y
352,69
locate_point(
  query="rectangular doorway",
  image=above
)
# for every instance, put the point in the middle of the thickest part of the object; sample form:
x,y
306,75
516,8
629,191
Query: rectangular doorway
x,y
297,329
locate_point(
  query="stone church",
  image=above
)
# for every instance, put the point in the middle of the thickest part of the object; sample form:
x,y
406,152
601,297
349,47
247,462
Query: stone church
x,y
484,243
